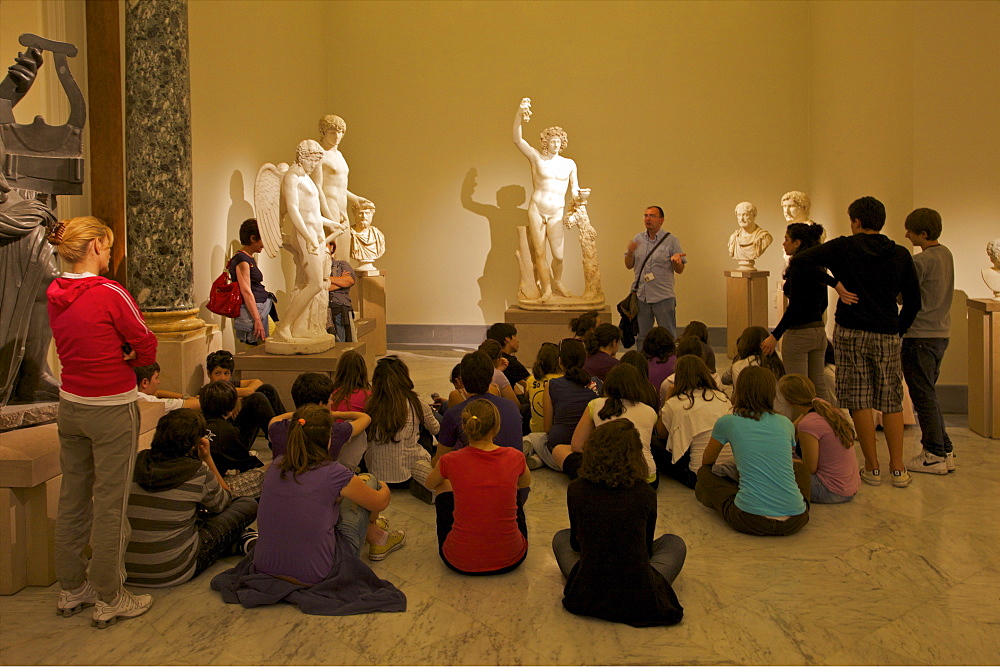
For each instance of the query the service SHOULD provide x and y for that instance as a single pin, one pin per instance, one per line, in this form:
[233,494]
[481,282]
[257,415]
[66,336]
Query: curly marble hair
[554,131]
[748,206]
[308,148]
[330,123]
[798,198]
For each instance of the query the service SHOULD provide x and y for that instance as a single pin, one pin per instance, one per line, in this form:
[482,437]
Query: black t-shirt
[228,449]
[612,528]
[515,371]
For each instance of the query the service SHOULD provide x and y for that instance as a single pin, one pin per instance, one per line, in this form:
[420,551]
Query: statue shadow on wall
[239,210]
[498,282]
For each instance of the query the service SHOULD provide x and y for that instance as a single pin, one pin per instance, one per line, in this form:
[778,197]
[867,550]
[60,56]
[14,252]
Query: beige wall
[694,106]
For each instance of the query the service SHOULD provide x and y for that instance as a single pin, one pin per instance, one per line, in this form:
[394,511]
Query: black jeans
[257,411]
[218,532]
[921,360]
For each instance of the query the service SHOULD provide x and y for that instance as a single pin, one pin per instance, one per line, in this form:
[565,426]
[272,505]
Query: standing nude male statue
[330,176]
[551,175]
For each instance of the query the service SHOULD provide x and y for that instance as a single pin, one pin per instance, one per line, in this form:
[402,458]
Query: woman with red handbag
[251,325]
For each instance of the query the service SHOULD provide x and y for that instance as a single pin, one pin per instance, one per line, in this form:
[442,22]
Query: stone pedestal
[746,303]
[536,327]
[282,370]
[181,356]
[368,300]
[984,366]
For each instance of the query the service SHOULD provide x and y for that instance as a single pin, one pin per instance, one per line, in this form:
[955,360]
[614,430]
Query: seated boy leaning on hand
[316,388]
[258,402]
[148,381]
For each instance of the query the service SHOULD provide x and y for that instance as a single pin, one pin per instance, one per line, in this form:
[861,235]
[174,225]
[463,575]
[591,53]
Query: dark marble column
[158,156]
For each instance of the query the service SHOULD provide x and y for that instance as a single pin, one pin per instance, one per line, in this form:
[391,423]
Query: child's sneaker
[72,602]
[126,605]
[247,541]
[382,522]
[901,478]
[534,462]
[927,462]
[873,477]
[393,543]
[950,462]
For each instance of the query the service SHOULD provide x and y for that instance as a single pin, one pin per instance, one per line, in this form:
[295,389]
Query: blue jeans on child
[818,493]
[353,523]
[921,359]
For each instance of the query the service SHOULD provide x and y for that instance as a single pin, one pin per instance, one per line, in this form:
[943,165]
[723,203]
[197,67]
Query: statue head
[993,250]
[795,205]
[331,123]
[364,211]
[746,216]
[549,138]
[308,154]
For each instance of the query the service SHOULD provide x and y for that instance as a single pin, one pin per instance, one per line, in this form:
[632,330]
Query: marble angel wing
[267,204]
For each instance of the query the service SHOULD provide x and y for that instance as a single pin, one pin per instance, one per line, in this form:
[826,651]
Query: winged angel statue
[288,193]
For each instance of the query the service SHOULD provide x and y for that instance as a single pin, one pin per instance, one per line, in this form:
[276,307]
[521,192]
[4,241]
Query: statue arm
[317,177]
[522,145]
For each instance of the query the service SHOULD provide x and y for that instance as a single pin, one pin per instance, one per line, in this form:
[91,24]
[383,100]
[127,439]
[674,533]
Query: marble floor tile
[895,577]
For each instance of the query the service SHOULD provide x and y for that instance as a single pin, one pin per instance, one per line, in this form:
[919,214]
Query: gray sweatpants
[97,446]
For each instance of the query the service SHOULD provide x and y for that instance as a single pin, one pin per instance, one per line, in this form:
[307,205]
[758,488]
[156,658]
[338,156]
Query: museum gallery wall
[693,106]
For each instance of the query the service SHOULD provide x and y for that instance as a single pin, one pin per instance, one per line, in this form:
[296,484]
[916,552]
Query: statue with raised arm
[367,241]
[749,241]
[330,175]
[286,193]
[552,175]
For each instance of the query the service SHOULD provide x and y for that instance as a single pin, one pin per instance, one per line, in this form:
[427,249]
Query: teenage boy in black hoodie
[871,271]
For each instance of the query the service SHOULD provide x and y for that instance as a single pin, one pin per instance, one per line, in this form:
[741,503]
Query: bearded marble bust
[991,276]
[367,241]
[749,241]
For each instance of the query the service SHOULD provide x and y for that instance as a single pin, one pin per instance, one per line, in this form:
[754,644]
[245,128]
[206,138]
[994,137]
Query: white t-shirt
[168,404]
[642,417]
[691,428]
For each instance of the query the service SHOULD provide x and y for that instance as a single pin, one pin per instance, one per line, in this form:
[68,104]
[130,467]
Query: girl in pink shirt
[826,441]
[350,383]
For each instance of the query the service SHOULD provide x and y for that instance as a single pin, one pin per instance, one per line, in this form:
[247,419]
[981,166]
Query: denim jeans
[818,493]
[665,312]
[353,523]
[218,532]
[921,359]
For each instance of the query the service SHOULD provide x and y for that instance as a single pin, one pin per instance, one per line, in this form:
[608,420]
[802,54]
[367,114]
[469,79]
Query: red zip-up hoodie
[91,318]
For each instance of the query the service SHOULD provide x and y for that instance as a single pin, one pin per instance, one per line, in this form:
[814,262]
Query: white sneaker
[927,462]
[72,602]
[126,605]
[950,461]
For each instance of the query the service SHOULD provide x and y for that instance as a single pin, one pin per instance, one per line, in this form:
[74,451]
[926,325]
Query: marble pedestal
[368,300]
[282,370]
[536,327]
[181,356]
[746,303]
[984,366]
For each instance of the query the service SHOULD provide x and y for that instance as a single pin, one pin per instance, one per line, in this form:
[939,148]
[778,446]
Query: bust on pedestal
[750,241]
[991,275]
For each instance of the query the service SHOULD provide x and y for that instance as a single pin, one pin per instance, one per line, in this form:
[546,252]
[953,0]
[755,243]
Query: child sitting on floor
[351,388]
[771,496]
[315,517]
[182,514]
[238,463]
[614,569]
[147,380]
[826,442]
[480,520]
[259,402]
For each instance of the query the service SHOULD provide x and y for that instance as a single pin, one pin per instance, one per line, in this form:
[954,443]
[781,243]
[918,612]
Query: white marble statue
[749,241]
[552,175]
[367,241]
[991,276]
[331,175]
[289,193]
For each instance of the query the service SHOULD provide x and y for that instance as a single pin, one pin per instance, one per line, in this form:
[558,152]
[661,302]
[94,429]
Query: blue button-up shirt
[662,285]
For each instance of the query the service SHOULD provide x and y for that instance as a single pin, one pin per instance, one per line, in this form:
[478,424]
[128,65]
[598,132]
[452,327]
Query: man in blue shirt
[655,287]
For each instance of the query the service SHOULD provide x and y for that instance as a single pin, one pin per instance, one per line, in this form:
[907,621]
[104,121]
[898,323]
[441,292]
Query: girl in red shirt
[480,520]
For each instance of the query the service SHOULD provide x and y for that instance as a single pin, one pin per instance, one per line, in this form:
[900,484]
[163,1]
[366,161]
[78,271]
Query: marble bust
[748,242]
[795,206]
[367,241]
[289,193]
[991,276]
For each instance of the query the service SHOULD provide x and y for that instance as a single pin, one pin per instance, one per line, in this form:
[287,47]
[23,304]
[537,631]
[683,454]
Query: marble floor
[897,576]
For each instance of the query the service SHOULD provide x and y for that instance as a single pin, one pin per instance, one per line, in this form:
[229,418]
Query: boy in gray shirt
[927,338]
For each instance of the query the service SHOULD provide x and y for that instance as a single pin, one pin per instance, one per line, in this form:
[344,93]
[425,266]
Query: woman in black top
[251,326]
[614,569]
[802,323]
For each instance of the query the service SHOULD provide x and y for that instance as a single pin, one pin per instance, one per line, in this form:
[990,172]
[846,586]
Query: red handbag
[225,297]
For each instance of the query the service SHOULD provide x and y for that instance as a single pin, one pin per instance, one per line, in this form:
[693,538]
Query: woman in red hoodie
[100,335]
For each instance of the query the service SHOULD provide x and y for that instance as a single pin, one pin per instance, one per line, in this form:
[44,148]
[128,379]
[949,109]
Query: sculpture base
[984,366]
[536,327]
[300,346]
[282,370]
[746,303]
[163,322]
[555,303]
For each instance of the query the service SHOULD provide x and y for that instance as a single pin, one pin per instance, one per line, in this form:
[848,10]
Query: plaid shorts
[869,371]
